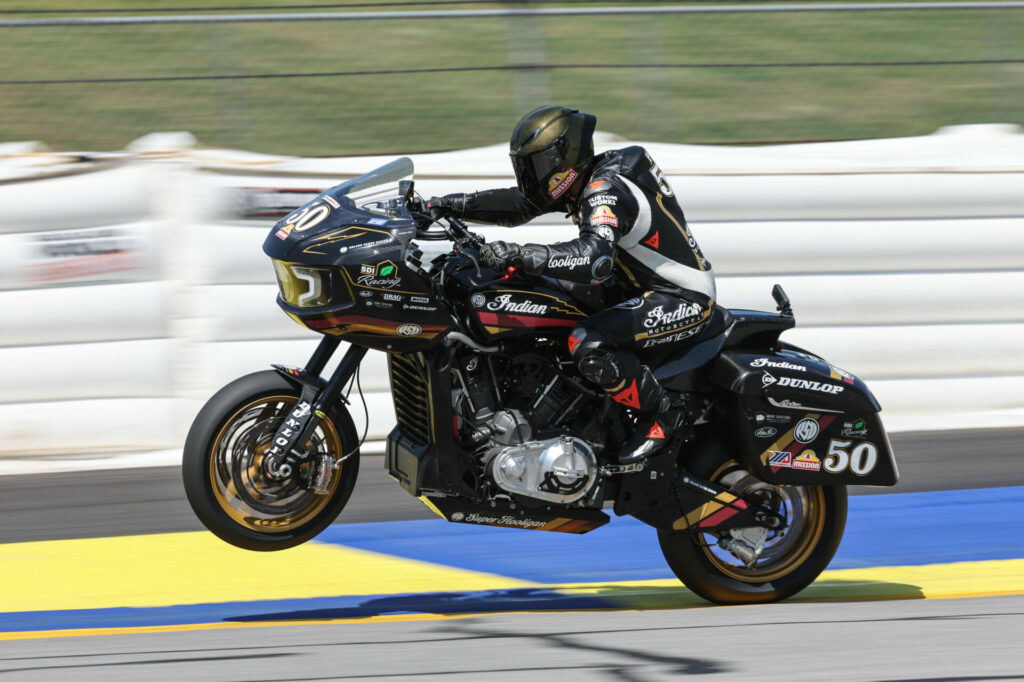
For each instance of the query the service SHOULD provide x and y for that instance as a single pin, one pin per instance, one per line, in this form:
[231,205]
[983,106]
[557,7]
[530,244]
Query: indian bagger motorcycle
[495,425]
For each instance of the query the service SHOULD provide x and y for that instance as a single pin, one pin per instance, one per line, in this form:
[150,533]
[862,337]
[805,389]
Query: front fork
[316,399]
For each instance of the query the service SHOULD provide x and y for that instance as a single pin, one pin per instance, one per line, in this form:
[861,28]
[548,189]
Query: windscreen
[378,191]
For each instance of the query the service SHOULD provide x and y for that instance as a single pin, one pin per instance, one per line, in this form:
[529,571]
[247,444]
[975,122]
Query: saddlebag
[795,419]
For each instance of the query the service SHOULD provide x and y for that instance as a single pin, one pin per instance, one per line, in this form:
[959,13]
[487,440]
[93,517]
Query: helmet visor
[532,170]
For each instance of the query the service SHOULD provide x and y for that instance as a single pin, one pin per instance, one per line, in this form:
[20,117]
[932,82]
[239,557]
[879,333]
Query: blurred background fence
[324,79]
[132,284]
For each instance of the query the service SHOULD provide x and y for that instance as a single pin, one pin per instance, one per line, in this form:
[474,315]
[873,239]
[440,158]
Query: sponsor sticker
[808,461]
[766,432]
[659,317]
[409,330]
[857,428]
[506,520]
[780,459]
[330,200]
[419,299]
[765,362]
[377,221]
[767,379]
[806,430]
[367,269]
[569,262]
[598,185]
[673,338]
[388,296]
[609,199]
[504,303]
[808,385]
[478,300]
[768,418]
[839,374]
[604,216]
[560,182]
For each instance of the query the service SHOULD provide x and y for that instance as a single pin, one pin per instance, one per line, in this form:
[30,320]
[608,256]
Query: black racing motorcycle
[496,426]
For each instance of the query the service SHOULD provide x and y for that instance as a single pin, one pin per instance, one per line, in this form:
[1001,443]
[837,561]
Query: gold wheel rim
[780,557]
[239,484]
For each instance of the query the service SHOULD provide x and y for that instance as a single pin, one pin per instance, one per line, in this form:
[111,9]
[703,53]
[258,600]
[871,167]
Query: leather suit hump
[630,223]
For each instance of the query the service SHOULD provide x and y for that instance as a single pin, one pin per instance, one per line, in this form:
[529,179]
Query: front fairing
[359,221]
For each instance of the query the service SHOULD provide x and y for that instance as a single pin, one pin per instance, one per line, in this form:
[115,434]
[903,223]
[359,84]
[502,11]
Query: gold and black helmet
[550,148]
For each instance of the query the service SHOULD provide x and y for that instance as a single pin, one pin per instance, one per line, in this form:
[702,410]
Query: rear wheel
[790,558]
[224,472]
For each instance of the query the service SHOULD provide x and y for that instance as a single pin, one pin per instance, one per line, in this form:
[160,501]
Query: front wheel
[224,475]
[790,558]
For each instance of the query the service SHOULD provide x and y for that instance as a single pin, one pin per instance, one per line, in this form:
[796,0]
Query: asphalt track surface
[885,621]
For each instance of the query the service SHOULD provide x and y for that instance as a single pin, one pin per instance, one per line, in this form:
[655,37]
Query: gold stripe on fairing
[686,235]
[555,523]
[722,499]
[695,516]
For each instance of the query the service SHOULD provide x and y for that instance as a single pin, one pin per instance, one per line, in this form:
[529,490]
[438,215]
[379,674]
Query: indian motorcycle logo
[658,317]
[504,303]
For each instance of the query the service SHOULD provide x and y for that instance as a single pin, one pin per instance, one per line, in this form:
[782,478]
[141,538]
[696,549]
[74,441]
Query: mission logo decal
[560,182]
[808,461]
[604,216]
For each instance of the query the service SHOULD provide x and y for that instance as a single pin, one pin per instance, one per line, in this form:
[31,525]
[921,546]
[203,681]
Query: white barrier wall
[134,287]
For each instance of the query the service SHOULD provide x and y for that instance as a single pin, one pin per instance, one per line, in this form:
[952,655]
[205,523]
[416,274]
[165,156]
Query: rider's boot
[661,415]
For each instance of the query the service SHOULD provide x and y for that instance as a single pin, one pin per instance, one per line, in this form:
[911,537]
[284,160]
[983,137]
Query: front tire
[790,561]
[224,478]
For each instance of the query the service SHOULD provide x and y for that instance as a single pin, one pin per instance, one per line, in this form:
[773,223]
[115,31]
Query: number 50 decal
[308,217]
[861,460]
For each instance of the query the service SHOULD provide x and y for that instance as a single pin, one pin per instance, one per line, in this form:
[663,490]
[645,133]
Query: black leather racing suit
[632,226]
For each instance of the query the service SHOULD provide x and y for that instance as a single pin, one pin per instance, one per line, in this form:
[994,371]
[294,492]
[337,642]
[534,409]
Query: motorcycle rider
[631,226]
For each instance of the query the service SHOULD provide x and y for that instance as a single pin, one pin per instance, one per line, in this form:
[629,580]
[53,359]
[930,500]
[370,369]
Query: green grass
[418,112]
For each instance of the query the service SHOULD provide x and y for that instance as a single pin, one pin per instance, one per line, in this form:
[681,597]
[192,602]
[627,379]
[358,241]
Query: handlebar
[455,230]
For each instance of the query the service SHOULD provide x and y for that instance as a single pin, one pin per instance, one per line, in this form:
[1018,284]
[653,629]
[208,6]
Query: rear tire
[223,475]
[816,519]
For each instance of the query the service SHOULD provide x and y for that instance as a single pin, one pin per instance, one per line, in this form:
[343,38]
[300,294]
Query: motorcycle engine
[514,426]
[561,469]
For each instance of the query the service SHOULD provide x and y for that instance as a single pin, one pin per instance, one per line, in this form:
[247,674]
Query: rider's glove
[448,205]
[500,255]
